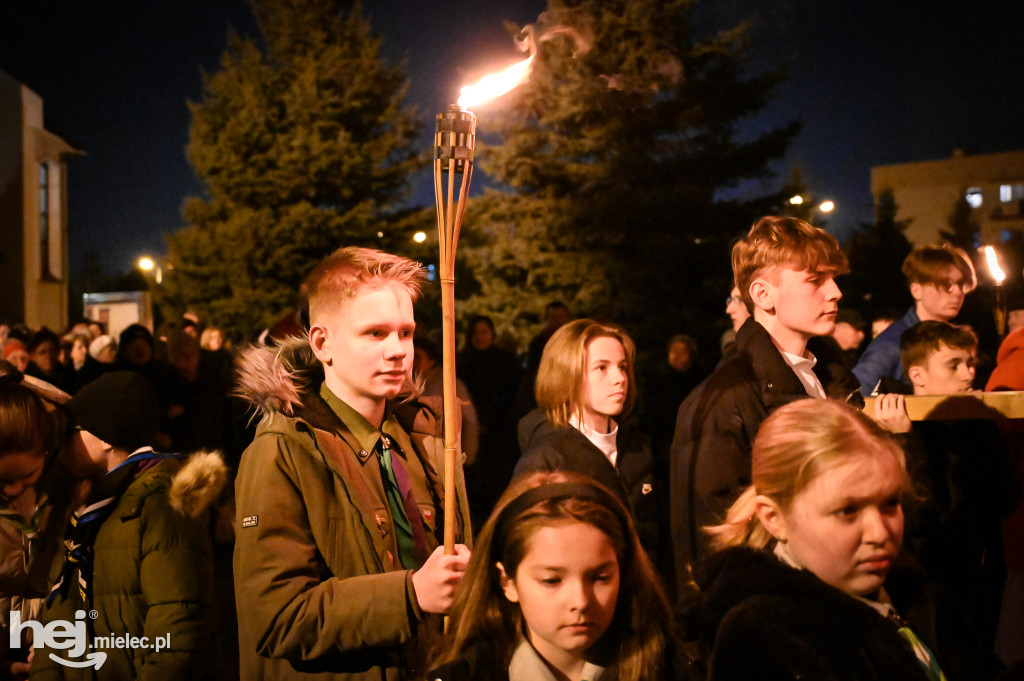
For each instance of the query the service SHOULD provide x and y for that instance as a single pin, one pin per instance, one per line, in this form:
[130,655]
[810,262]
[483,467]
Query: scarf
[84,526]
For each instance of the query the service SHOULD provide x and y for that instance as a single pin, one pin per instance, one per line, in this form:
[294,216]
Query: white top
[804,369]
[528,665]
[603,441]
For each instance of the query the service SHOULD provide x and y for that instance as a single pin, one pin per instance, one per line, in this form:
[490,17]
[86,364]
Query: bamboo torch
[998,276]
[454,141]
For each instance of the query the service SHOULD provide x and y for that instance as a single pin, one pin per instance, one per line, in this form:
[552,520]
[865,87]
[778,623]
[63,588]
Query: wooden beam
[978,405]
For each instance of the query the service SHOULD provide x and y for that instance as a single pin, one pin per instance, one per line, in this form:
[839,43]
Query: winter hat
[101,343]
[120,408]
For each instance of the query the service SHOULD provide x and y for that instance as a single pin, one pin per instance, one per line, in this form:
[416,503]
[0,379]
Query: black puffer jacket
[547,447]
[760,619]
[715,429]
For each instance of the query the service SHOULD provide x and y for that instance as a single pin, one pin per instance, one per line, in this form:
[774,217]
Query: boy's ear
[770,517]
[318,342]
[916,376]
[915,290]
[508,585]
[761,294]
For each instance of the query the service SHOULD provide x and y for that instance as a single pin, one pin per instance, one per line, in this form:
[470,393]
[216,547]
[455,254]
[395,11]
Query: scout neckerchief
[80,534]
[412,543]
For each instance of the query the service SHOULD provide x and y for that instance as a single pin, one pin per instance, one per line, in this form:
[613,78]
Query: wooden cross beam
[979,405]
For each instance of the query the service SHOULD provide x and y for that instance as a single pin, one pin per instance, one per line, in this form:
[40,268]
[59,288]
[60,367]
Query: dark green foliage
[876,283]
[304,147]
[963,226]
[613,161]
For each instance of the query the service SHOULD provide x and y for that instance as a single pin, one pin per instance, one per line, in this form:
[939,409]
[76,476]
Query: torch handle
[451,404]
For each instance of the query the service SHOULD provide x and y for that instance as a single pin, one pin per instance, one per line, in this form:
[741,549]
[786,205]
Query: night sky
[873,83]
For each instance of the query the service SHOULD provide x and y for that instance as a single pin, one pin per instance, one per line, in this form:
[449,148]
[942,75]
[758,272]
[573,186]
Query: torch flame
[992,259]
[495,84]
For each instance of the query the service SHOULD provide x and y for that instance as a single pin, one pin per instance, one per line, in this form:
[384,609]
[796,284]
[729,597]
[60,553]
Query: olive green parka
[320,592]
[152,577]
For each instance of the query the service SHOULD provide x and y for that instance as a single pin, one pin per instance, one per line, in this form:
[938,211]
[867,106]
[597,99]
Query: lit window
[44,217]
[973,196]
[1005,193]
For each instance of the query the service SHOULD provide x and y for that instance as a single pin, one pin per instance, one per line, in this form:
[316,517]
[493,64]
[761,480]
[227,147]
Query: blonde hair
[340,275]
[777,241]
[637,639]
[561,378]
[795,445]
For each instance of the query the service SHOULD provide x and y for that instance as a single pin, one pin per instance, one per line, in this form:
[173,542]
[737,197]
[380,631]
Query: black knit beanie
[120,408]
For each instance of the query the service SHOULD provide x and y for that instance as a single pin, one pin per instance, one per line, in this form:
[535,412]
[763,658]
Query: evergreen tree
[303,145]
[963,226]
[613,161]
[876,252]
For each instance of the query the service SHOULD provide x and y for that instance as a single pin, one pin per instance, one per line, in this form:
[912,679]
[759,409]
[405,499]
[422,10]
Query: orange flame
[992,259]
[495,84]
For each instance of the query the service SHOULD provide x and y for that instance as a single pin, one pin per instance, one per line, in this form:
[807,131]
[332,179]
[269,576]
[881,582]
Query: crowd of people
[752,521]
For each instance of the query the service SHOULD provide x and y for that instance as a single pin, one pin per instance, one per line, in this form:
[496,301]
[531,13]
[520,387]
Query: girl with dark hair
[558,588]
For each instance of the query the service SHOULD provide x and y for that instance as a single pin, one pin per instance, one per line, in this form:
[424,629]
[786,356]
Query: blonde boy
[339,497]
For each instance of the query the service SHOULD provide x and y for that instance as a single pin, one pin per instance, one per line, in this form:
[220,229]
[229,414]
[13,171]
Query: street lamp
[806,206]
[148,264]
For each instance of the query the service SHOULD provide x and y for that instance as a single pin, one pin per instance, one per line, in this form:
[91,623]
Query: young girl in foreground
[810,587]
[558,589]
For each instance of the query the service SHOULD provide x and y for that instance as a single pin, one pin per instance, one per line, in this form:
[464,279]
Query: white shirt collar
[803,367]
[528,665]
[603,441]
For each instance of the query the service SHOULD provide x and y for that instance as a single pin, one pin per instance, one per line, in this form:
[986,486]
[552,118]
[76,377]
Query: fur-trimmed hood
[274,378]
[198,484]
[279,378]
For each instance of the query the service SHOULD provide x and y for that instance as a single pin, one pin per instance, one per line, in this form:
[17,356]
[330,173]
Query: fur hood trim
[278,378]
[273,378]
[198,484]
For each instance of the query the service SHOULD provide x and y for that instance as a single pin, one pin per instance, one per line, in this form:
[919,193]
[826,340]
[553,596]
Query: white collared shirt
[603,441]
[528,665]
[804,369]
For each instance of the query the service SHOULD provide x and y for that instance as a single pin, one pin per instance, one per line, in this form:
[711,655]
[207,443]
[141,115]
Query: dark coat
[547,447]
[715,429]
[758,618]
[967,484]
